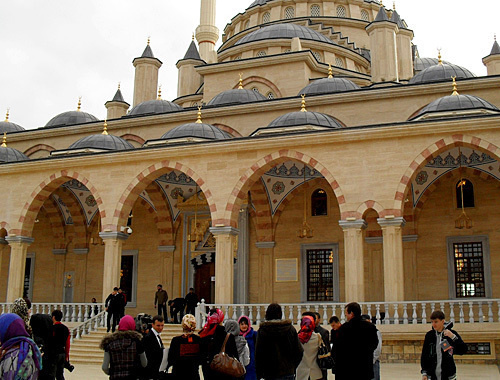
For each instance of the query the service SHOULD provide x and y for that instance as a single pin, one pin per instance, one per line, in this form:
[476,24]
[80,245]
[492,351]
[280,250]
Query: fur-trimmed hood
[126,336]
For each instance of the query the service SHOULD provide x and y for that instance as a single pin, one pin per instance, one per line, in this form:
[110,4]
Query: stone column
[112,260]
[241,274]
[18,249]
[80,283]
[225,238]
[354,259]
[392,232]
[167,264]
[266,265]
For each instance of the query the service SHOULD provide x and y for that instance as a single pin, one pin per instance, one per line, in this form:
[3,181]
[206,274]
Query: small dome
[71,118]
[11,155]
[258,2]
[197,130]
[328,86]
[294,119]
[284,31]
[101,141]
[236,96]
[454,103]
[441,72]
[7,126]
[152,107]
[420,64]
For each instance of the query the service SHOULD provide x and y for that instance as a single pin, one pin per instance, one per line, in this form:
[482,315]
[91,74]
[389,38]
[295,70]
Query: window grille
[261,53]
[319,275]
[255,89]
[266,17]
[289,12]
[317,56]
[270,95]
[339,62]
[341,11]
[364,15]
[315,10]
[247,24]
[469,269]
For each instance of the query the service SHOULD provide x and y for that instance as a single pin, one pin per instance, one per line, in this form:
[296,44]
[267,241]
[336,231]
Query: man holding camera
[440,344]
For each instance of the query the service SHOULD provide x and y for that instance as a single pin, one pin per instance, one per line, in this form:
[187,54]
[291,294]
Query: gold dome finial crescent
[440,61]
[198,120]
[192,37]
[7,115]
[330,71]
[303,107]
[4,141]
[159,93]
[79,103]
[105,128]
[149,40]
[119,83]
[381,3]
[455,92]
[240,86]
[394,5]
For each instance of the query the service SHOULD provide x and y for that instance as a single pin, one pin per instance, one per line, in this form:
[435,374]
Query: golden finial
[303,107]
[394,5]
[79,103]
[159,92]
[330,71]
[381,4]
[240,86]
[105,128]
[149,40]
[440,61]
[455,92]
[192,37]
[198,121]
[7,115]
[119,85]
[495,36]
[4,141]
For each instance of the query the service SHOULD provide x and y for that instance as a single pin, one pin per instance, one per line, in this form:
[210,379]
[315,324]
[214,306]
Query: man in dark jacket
[278,351]
[113,306]
[153,346]
[60,343]
[191,302]
[177,306]
[440,344]
[161,298]
[354,346]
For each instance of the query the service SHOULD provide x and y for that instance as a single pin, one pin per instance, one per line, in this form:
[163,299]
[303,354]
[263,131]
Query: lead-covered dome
[236,96]
[284,31]
[71,118]
[441,72]
[196,131]
[420,64]
[6,126]
[102,142]
[258,2]
[328,86]
[152,107]
[10,154]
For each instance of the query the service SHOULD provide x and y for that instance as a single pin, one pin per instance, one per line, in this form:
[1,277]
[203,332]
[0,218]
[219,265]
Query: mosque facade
[313,157]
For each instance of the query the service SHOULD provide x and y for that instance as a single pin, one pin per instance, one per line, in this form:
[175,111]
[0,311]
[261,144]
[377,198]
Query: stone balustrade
[72,312]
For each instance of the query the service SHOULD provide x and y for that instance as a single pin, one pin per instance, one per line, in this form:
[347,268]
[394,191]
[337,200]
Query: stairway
[86,350]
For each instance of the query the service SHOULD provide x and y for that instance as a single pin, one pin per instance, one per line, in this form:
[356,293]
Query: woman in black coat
[212,336]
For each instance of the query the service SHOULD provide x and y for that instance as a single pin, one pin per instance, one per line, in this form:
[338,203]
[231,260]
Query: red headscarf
[126,323]
[245,318]
[307,326]
[213,321]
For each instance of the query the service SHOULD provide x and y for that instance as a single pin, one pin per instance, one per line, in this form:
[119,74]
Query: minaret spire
[207,33]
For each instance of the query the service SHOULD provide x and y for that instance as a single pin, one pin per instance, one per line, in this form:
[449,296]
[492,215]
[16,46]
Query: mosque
[314,157]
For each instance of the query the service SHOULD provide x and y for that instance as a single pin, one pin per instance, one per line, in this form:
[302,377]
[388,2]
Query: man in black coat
[440,344]
[278,351]
[177,306]
[354,346]
[113,306]
[191,301]
[153,346]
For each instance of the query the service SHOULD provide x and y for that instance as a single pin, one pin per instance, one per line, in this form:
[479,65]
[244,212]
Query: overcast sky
[54,51]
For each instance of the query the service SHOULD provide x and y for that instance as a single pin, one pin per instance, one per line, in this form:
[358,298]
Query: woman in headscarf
[212,336]
[41,325]
[20,357]
[250,335]
[124,354]
[21,308]
[233,328]
[308,367]
[184,354]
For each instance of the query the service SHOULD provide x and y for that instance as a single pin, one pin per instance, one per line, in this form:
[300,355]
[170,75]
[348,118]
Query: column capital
[358,224]
[80,251]
[265,244]
[166,248]
[225,230]
[60,251]
[388,222]
[19,239]
[113,236]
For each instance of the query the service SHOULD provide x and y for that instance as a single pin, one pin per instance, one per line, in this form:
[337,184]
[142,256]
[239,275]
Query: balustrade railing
[407,312]
[91,324]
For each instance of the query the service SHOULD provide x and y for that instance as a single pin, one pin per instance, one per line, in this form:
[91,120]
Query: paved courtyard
[388,372]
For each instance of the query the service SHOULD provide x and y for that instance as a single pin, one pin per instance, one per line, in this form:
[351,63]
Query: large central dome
[284,31]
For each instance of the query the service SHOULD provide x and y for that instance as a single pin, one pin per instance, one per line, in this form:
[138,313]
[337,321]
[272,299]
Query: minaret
[404,37]
[118,106]
[492,61]
[383,47]
[207,33]
[189,81]
[146,76]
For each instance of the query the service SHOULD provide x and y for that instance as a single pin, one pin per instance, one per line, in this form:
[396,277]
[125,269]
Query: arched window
[364,15]
[341,11]
[315,10]
[237,58]
[266,17]
[317,55]
[289,12]
[270,95]
[319,203]
[261,53]
[339,62]
[247,24]
[468,190]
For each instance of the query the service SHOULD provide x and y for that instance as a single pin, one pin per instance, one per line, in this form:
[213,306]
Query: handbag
[225,364]
[324,358]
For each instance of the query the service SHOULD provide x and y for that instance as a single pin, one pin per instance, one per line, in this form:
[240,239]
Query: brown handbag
[227,365]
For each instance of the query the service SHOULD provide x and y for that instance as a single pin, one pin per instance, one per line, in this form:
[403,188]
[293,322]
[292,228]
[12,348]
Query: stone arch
[131,137]
[163,216]
[226,128]
[431,151]
[42,191]
[30,151]
[142,181]
[262,213]
[264,81]
[79,221]
[370,204]
[246,181]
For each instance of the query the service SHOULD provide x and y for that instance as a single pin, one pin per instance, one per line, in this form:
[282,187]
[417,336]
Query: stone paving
[388,372]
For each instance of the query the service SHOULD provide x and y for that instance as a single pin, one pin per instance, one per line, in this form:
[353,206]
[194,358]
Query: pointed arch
[164,218]
[56,223]
[370,204]
[262,213]
[79,221]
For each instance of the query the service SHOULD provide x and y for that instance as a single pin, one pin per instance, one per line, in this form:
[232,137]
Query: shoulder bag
[225,364]
[324,359]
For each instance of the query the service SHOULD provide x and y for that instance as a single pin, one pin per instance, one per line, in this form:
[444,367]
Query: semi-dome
[441,72]
[236,96]
[10,154]
[329,85]
[102,142]
[284,31]
[156,106]
[196,131]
